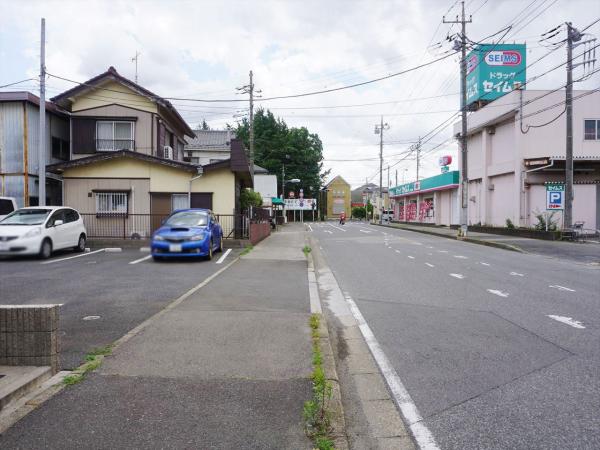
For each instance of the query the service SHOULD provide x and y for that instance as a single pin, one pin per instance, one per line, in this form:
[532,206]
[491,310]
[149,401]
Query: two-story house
[127,160]
[19,147]
[209,146]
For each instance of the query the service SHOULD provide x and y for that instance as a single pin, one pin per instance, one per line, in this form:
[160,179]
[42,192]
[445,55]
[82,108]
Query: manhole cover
[91,317]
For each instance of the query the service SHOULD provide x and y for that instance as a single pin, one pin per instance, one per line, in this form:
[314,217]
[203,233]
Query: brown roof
[106,156]
[112,74]
[23,96]
[238,162]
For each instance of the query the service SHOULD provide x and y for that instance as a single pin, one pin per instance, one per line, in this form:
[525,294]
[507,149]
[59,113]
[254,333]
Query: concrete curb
[495,244]
[338,421]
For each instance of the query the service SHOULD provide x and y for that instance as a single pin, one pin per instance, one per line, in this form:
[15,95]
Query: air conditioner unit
[491,187]
[168,152]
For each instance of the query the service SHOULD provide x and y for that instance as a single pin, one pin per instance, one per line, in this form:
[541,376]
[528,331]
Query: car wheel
[220,249]
[80,244]
[210,251]
[46,249]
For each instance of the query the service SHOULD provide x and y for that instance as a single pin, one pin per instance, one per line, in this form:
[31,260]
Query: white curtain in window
[123,135]
[104,135]
[179,201]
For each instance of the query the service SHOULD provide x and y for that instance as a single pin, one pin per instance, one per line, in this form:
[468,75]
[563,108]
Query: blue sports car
[188,233]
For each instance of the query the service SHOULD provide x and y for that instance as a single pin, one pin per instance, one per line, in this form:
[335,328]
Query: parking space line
[222,258]
[568,321]
[72,257]
[141,259]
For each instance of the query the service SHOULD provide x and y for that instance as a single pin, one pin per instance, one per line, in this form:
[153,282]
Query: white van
[387,215]
[7,205]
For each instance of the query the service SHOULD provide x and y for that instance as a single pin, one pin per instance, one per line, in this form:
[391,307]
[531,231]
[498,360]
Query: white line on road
[561,288]
[411,257]
[498,293]
[222,258]
[310,228]
[517,274]
[398,251]
[429,246]
[72,257]
[141,259]
[337,228]
[443,251]
[568,321]
[460,276]
[461,257]
[407,406]
[364,231]
[429,265]
[328,231]
[484,264]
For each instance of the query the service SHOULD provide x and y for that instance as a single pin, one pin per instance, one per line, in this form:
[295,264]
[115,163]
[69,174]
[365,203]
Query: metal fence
[141,226]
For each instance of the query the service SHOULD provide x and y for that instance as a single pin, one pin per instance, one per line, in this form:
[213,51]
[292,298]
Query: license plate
[175,247]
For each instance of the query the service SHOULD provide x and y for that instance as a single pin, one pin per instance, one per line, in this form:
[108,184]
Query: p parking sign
[555,196]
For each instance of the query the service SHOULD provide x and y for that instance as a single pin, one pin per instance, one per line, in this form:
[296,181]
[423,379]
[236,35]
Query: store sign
[445,169]
[493,70]
[555,196]
[300,204]
[445,160]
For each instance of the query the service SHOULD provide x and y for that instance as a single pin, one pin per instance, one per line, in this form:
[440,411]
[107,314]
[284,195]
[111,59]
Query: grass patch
[316,411]
[93,360]
[306,250]
[247,249]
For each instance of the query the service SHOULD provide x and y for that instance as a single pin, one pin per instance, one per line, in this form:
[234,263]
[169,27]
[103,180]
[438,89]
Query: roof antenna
[135,59]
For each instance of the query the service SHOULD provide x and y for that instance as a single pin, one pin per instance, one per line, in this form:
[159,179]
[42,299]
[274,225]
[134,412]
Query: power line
[18,82]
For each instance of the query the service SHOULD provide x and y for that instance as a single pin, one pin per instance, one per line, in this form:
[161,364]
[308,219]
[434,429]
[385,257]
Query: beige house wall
[113,92]
[338,185]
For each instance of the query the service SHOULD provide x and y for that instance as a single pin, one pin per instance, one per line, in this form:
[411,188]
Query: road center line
[498,293]
[561,288]
[567,320]
[141,259]
[222,258]
[72,257]
[403,400]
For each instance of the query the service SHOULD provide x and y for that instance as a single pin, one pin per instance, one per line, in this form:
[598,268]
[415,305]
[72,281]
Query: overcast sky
[204,50]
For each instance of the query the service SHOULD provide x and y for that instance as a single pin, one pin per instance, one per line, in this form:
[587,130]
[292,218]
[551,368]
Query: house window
[195,160]
[112,136]
[60,148]
[111,202]
[591,130]
[179,201]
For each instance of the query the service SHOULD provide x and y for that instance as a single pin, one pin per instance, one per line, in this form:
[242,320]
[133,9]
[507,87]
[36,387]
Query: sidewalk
[583,252]
[228,367]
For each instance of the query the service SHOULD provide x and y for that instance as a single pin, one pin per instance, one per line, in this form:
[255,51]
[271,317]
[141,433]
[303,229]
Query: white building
[265,184]
[510,159]
[209,146]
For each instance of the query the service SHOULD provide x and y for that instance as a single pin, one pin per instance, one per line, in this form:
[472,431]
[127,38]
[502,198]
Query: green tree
[277,144]
[359,212]
[249,198]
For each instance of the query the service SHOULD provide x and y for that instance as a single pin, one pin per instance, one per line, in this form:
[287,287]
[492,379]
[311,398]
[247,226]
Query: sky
[204,50]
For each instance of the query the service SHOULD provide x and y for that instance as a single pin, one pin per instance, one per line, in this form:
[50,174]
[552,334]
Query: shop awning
[276,201]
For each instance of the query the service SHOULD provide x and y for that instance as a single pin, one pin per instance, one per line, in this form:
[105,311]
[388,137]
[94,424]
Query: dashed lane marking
[429,265]
[222,258]
[364,231]
[141,259]
[561,288]
[460,276]
[410,257]
[484,264]
[461,257]
[398,251]
[517,274]
[498,293]
[443,251]
[568,321]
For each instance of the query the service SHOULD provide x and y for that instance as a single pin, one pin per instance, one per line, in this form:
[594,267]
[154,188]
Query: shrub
[359,212]
[509,224]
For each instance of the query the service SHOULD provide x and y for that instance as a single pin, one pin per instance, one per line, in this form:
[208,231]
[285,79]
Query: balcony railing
[113,145]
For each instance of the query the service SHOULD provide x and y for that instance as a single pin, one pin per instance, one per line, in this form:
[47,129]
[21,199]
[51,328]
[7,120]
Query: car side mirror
[58,222]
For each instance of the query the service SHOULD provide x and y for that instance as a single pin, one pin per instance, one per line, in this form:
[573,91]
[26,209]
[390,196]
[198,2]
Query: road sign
[445,169]
[555,196]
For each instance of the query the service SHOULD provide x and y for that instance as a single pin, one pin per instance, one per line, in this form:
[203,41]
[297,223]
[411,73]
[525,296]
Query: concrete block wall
[29,335]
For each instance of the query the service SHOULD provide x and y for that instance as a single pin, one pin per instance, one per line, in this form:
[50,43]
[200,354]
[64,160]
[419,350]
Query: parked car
[7,205]
[387,215]
[188,233]
[39,230]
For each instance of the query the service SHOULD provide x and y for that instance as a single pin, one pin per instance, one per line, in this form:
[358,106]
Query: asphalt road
[103,295]
[497,349]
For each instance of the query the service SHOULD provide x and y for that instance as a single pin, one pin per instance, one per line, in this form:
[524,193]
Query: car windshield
[26,217]
[188,219]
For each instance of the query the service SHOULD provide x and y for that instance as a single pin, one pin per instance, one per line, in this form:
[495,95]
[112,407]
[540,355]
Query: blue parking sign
[555,196]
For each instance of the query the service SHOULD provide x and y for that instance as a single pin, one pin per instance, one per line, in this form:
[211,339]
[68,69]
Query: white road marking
[421,433]
[417,243]
[337,228]
[91,318]
[498,293]
[517,274]
[484,264]
[411,257]
[429,265]
[222,258]
[141,259]
[568,321]
[72,257]
[310,228]
[113,250]
[364,231]
[461,257]
[429,254]
[429,246]
[398,251]
[443,251]
[460,276]
[328,231]
[561,288]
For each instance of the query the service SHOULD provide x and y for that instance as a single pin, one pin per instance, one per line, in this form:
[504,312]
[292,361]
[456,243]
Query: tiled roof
[210,140]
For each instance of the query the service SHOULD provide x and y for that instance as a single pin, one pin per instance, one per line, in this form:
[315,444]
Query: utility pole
[135,59]
[464,182]
[379,130]
[249,89]
[418,157]
[396,178]
[283,182]
[388,170]
[42,133]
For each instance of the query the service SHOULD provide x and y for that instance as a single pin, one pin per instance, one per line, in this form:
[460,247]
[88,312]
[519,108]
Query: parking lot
[104,293]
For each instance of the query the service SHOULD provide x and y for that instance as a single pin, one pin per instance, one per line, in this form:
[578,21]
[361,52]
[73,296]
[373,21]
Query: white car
[39,230]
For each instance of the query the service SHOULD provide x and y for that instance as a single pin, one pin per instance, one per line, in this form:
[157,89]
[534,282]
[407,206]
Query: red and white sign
[445,160]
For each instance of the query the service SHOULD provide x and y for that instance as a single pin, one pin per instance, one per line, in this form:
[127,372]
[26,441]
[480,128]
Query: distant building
[208,146]
[265,184]
[19,141]
[338,197]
